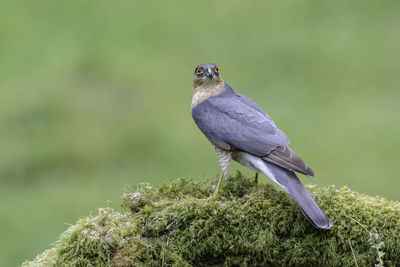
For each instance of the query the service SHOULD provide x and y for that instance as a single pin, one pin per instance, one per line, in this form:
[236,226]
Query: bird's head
[207,75]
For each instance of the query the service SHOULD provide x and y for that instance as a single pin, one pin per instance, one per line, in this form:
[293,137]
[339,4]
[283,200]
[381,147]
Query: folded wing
[231,123]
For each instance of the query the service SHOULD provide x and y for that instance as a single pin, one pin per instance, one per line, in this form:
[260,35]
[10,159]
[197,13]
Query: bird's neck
[203,91]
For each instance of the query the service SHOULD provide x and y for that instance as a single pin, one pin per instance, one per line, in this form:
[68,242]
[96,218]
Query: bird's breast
[199,97]
[203,92]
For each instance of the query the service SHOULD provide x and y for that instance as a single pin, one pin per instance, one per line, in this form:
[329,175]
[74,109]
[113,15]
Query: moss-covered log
[177,224]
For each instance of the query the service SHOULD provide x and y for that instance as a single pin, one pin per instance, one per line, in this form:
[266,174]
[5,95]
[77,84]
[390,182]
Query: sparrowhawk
[240,130]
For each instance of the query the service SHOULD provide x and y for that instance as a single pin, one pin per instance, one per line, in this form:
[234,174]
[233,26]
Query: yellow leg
[218,185]
[256,178]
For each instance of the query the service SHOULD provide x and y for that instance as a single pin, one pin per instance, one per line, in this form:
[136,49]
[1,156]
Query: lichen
[178,224]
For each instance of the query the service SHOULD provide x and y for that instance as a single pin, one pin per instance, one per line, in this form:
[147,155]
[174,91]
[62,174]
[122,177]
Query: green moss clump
[177,224]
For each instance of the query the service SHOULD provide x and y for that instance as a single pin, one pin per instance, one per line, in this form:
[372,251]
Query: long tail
[292,185]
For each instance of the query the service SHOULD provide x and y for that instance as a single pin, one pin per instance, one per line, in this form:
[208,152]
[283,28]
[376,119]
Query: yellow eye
[199,71]
[216,70]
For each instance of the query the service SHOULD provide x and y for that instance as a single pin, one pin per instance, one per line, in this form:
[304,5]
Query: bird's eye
[199,71]
[216,70]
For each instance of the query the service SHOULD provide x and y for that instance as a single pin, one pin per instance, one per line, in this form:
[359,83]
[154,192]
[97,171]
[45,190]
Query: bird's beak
[209,73]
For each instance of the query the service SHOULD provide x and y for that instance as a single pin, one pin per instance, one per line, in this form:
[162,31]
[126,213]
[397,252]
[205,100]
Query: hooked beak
[209,73]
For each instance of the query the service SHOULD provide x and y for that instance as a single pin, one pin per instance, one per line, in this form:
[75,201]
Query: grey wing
[284,157]
[232,124]
[252,104]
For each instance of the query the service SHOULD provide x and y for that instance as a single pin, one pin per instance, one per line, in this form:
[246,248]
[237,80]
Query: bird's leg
[256,178]
[224,158]
[218,185]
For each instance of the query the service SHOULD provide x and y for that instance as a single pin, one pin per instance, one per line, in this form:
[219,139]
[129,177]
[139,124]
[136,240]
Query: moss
[177,224]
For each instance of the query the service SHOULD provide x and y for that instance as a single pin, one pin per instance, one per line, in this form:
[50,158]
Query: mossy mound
[177,224]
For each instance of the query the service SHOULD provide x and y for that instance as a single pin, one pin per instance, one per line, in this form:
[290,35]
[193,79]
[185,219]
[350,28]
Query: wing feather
[285,157]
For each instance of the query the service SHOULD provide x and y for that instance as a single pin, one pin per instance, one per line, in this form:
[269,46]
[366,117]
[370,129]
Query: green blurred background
[95,95]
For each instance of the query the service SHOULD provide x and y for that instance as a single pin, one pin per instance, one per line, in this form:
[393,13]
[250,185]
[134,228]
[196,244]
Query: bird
[240,130]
